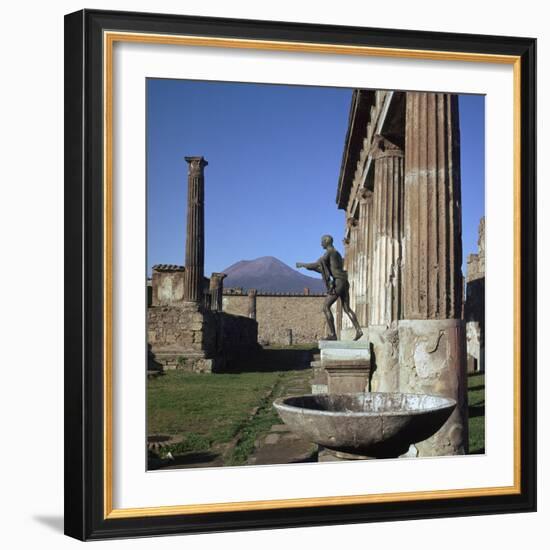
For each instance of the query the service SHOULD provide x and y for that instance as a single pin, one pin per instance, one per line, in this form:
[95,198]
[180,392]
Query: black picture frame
[84,276]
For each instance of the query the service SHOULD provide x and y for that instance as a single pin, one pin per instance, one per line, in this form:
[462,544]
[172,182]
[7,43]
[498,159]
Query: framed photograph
[300,274]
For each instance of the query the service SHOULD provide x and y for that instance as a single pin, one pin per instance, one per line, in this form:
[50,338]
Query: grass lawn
[476,412]
[204,408]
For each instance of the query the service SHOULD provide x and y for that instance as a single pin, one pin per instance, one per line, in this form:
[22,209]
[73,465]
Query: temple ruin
[399,186]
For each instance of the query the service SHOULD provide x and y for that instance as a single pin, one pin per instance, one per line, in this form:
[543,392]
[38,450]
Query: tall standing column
[368,198]
[365,206]
[387,229]
[194,246]
[431,334]
[433,279]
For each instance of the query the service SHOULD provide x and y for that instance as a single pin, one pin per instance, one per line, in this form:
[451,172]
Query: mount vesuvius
[269,274]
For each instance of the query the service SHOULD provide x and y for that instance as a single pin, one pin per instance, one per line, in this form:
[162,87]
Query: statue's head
[326,241]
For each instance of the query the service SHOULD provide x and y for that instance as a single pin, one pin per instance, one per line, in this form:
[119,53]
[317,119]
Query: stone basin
[378,425]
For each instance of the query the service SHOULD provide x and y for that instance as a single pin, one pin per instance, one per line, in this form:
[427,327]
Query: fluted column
[432,355]
[365,207]
[433,278]
[352,269]
[194,246]
[368,197]
[388,231]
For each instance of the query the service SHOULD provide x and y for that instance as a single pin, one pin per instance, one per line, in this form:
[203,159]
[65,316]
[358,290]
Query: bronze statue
[331,267]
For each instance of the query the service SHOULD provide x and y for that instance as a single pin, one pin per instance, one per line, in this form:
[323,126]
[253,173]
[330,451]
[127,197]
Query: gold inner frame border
[109,39]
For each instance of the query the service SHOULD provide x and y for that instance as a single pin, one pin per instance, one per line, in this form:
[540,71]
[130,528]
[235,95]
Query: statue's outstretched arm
[314,266]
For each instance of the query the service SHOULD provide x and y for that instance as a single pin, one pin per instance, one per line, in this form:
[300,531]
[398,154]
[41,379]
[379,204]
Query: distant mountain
[269,274]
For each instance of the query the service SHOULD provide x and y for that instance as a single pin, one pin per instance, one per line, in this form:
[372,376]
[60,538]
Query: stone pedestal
[344,350]
[432,361]
[342,367]
[347,376]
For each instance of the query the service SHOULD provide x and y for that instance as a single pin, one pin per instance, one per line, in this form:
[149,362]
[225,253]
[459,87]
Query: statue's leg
[329,300]
[344,296]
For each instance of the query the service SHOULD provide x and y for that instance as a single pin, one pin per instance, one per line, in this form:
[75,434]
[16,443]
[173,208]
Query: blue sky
[274,155]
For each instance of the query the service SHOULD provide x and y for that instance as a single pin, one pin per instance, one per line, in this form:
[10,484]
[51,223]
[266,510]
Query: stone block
[339,350]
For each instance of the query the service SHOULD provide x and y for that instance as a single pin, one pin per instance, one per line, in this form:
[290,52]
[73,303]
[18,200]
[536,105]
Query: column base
[432,360]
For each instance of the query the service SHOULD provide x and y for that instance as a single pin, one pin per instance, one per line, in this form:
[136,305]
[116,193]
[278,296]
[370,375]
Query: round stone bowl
[378,425]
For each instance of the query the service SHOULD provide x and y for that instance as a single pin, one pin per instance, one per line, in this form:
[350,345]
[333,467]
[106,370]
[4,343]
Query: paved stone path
[280,445]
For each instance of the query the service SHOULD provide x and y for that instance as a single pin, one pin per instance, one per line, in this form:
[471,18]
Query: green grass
[476,411]
[204,408]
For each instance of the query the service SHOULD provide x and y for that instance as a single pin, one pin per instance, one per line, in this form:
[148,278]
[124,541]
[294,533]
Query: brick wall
[278,313]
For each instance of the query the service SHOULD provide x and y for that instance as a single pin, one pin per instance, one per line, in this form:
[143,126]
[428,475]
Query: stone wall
[200,341]
[282,318]
[474,306]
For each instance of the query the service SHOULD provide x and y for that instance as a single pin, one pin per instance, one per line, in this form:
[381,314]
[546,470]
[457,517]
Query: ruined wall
[167,285]
[236,304]
[474,306]
[279,314]
[236,335]
[198,341]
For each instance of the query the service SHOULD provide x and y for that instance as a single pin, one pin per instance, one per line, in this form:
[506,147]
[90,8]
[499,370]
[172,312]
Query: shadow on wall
[272,360]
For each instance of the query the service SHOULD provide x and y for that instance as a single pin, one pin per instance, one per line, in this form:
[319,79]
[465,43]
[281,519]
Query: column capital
[196,165]
[383,147]
[216,279]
